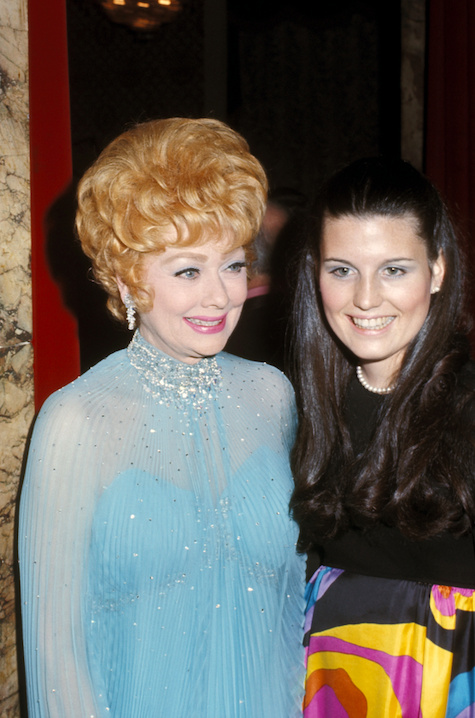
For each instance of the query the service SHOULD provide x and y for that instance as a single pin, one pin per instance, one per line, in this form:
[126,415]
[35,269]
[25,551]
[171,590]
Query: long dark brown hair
[418,471]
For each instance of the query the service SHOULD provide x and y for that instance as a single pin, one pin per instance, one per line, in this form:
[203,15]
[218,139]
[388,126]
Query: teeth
[377,323]
[203,323]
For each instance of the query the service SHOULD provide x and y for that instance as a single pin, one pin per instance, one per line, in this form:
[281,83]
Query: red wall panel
[56,349]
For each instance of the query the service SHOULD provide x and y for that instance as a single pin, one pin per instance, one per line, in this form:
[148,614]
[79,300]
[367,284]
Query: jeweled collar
[173,382]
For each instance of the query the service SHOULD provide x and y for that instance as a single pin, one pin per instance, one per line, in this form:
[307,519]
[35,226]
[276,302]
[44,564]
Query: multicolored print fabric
[383,647]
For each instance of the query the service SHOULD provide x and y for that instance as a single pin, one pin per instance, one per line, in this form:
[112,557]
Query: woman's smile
[373,324]
[207,325]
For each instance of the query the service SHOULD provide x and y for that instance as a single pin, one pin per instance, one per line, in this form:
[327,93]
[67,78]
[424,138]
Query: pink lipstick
[206,325]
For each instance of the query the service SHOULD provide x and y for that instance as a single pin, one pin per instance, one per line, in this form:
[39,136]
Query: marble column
[413,31]
[16,375]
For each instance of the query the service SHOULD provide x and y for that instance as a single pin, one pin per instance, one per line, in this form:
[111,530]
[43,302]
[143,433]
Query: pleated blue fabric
[159,575]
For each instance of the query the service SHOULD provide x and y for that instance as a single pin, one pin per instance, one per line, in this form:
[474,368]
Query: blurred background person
[261,330]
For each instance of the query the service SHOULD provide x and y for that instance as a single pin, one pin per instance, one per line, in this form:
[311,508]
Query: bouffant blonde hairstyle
[196,176]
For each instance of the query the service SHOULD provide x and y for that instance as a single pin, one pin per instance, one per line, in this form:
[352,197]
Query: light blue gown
[158,568]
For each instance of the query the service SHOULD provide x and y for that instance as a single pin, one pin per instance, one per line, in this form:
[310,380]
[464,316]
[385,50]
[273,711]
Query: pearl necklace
[374,389]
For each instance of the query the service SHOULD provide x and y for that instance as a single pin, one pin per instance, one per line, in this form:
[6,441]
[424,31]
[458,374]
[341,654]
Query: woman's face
[198,296]
[375,283]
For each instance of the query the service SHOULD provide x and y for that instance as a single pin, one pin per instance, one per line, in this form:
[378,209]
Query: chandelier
[146,15]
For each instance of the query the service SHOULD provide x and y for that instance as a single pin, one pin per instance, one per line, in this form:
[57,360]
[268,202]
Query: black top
[384,551]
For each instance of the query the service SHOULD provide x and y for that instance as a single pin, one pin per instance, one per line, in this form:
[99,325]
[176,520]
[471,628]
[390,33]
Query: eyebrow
[386,261]
[186,255]
[195,256]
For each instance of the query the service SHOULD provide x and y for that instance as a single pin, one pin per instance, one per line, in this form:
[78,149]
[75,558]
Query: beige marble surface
[16,378]
[413,30]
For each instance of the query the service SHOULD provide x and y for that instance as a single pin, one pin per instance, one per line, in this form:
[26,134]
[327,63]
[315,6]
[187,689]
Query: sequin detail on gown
[172,382]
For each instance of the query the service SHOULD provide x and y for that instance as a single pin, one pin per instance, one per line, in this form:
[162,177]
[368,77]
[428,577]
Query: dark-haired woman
[385,459]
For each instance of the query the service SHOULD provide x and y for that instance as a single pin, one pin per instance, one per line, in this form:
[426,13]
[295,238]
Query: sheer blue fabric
[159,575]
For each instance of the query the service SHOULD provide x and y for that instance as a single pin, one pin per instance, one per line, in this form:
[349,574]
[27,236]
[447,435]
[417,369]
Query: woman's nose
[216,294]
[367,294]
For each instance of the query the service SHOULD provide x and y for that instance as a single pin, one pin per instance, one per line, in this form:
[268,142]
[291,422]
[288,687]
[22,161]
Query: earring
[435,290]
[130,307]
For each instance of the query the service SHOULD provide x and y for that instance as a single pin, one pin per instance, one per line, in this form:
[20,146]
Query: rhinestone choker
[173,382]
[374,389]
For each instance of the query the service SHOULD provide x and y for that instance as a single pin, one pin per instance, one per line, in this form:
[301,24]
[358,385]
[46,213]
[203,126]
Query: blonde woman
[159,574]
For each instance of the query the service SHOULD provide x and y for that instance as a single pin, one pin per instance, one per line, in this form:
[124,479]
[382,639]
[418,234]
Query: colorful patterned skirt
[381,648]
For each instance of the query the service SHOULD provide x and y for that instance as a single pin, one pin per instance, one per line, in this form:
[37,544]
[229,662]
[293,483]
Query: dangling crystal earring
[130,307]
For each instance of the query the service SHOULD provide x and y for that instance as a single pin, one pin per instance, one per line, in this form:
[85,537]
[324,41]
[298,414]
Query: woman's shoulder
[260,387]
[463,399]
[248,365]
[86,385]
[460,402]
[466,377]
[252,371]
